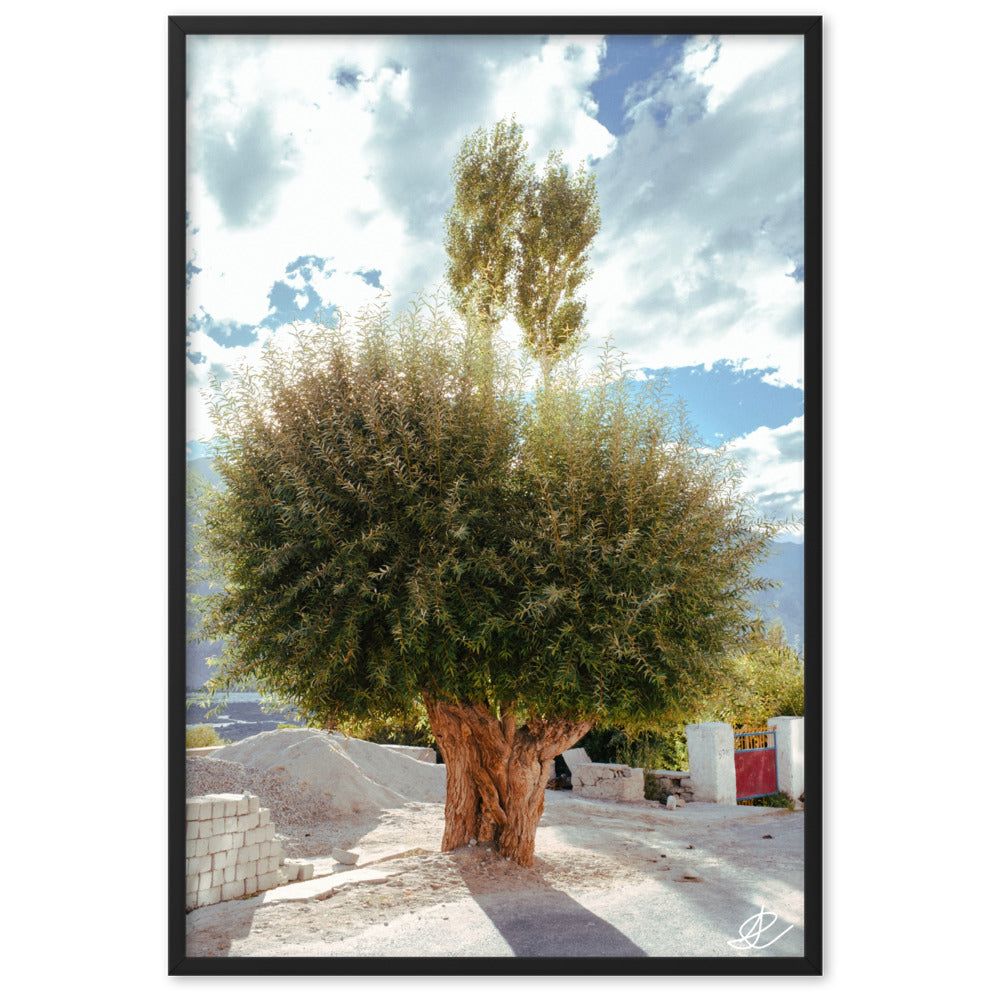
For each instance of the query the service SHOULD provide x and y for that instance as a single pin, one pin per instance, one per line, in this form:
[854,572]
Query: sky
[319,177]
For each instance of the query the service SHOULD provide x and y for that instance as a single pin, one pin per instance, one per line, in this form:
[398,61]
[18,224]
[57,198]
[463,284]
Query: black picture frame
[179,29]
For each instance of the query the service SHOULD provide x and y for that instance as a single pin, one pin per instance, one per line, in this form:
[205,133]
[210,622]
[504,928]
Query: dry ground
[608,879]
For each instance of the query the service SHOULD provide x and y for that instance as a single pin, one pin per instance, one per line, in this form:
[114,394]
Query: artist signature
[753,927]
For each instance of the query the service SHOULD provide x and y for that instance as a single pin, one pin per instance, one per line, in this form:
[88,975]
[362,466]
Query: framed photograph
[495,495]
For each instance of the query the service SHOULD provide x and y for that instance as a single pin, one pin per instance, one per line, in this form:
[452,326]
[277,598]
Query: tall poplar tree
[520,242]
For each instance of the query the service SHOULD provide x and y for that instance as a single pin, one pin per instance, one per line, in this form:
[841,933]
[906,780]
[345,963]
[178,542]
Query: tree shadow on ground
[555,925]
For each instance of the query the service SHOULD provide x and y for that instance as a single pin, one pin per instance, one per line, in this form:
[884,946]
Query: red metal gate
[756,758]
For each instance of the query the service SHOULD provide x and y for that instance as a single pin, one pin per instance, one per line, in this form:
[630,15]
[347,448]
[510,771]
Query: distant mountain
[197,670]
[786,602]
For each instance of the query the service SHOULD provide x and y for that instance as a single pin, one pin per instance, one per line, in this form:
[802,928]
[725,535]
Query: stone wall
[231,851]
[676,783]
[614,782]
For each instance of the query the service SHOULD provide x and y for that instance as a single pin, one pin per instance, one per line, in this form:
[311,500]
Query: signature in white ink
[753,927]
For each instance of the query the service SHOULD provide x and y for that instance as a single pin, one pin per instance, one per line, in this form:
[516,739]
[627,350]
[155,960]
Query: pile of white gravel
[308,776]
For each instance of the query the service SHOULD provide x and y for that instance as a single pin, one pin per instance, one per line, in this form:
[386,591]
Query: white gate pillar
[789,738]
[711,762]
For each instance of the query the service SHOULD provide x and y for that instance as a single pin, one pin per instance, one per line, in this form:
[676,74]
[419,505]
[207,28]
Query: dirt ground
[608,879]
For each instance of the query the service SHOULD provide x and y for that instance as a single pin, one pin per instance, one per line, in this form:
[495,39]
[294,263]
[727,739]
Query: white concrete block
[195,866]
[250,886]
[265,817]
[232,890]
[223,842]
[206,897]
[268,880]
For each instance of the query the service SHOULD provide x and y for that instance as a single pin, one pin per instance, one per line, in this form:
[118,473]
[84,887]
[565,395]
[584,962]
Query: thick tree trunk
[496,774]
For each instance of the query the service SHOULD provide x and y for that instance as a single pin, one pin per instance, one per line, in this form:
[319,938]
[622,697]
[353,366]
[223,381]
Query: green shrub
[202,736]
[662,750]
[766,681]
[779,801]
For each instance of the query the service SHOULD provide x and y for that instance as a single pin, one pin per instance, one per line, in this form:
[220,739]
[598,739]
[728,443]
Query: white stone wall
[614,782]
[231,851]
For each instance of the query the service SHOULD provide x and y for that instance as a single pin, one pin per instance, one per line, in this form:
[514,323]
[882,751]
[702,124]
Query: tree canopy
[395,520]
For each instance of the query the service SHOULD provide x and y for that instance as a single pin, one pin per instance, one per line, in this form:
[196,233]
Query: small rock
[344,857]
[472,843]
[767,836]
[671,802]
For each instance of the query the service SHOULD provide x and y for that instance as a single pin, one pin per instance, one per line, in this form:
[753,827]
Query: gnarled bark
[496,773]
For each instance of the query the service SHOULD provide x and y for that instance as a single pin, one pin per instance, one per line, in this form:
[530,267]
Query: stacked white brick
[231,851]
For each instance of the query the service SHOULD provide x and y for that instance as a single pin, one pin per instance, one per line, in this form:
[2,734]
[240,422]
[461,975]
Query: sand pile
[352,776]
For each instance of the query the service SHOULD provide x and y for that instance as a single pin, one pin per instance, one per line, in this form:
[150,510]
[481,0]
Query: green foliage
[765,680]
[202,736]
[779,801]
[395,520]
[653,750]
[403,728]
[517,240]
[492,177]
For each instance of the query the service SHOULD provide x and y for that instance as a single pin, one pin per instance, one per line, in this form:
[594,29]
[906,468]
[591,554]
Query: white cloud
[702,209]
[774,467]
[548,91]
[354,139]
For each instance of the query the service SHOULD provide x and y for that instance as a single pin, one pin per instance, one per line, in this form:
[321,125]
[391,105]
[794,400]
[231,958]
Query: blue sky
[319,176]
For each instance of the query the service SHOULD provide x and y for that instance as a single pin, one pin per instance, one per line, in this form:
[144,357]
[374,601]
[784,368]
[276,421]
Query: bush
[779,801]
[660,750]
[765,681]
[202,736]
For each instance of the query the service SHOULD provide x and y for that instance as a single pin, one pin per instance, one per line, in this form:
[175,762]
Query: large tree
[519,241]
[396,525]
